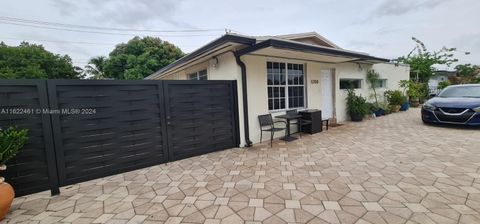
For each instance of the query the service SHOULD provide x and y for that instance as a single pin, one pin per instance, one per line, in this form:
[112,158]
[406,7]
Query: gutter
[245,99]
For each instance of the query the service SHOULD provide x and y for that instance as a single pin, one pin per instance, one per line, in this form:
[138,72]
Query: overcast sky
[379,27]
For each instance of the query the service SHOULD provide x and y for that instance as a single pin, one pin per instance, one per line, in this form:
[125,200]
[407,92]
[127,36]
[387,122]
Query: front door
[327,93]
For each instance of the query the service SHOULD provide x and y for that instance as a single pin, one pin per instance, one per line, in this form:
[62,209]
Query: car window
[461,91]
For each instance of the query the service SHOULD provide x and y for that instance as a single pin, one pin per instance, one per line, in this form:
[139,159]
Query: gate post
[49,140]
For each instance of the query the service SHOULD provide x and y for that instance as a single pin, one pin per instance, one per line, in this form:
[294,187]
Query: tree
[466,73]
[32,61]
[140,57]
[96,68]
[421,60]
[372,78]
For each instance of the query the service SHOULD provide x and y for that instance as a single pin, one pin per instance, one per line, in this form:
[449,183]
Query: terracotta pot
[6,199]
[414,102]
[395,108]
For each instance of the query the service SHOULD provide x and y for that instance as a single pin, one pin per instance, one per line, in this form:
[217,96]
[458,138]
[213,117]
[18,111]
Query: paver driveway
[392,169]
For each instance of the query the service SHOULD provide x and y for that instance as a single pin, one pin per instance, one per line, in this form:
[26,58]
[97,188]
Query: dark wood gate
[119,127]
[88,129]
[201,117]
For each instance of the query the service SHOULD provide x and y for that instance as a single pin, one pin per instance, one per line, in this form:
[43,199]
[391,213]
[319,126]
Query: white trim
[294,36]
[284,110]
[197,73]
[287,106]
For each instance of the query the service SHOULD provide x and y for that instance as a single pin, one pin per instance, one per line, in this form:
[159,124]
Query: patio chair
[300,122]
[267,121]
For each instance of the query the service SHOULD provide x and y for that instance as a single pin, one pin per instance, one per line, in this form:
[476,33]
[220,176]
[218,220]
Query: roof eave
[275,43]
[232,38]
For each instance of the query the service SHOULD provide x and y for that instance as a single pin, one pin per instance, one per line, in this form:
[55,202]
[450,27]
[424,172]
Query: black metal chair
[300,122]
[266,120]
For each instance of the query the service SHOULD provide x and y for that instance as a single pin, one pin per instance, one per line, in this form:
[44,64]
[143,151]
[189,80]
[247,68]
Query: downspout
[245,99]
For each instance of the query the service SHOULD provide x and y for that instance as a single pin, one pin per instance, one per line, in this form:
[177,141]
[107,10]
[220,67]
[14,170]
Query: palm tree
[95,67]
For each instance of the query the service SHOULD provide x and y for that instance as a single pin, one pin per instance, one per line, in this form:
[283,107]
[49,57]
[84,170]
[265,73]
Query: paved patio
[392,169]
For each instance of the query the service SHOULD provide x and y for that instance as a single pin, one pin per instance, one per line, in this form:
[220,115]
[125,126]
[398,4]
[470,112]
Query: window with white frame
[285,85]
[350,83]
[200,75]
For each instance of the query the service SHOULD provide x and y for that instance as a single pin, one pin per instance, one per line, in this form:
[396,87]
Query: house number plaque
[314,81]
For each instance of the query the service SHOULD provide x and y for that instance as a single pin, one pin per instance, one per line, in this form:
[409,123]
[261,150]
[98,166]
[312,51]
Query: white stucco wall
[389,71]
[258,95]
[227,69]
[349,71]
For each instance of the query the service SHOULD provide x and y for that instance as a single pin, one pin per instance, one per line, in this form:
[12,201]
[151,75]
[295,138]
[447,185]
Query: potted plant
[356,106]
[12,141]
[379,111]
[405,105]
[413,90]
[382,109]
[395,99]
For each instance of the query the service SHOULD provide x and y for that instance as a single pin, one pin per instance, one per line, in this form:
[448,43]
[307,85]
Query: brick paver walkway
[392,169]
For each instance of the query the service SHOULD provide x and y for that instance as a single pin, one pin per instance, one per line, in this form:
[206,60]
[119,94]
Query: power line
[71,42]
[58,41]
[79,42]
[99,32]
[12,19]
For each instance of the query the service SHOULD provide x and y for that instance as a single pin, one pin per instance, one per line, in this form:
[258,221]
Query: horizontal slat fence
[33,169]
[119,127]
[201,117]
[89,129]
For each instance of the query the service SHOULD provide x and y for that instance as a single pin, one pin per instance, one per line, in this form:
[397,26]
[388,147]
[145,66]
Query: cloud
[65,7]
[126,13]
[382,27]
[398,8]
[467,43]
[364,44]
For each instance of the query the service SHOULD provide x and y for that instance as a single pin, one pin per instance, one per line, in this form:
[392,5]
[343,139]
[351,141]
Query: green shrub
[414,90]
[356,104]
[11,142]
[395,97]
[443,84]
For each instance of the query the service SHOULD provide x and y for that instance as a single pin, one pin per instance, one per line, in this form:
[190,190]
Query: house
[438,77]
[277,73]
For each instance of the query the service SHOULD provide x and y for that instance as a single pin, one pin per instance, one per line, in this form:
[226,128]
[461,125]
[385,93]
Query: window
[381,83]
[350,83]
[285,85]
[200,75]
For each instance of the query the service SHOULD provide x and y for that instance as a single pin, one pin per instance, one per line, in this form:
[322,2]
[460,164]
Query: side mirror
[433,95]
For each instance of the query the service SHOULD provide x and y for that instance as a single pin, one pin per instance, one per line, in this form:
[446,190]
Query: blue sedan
[457,104]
